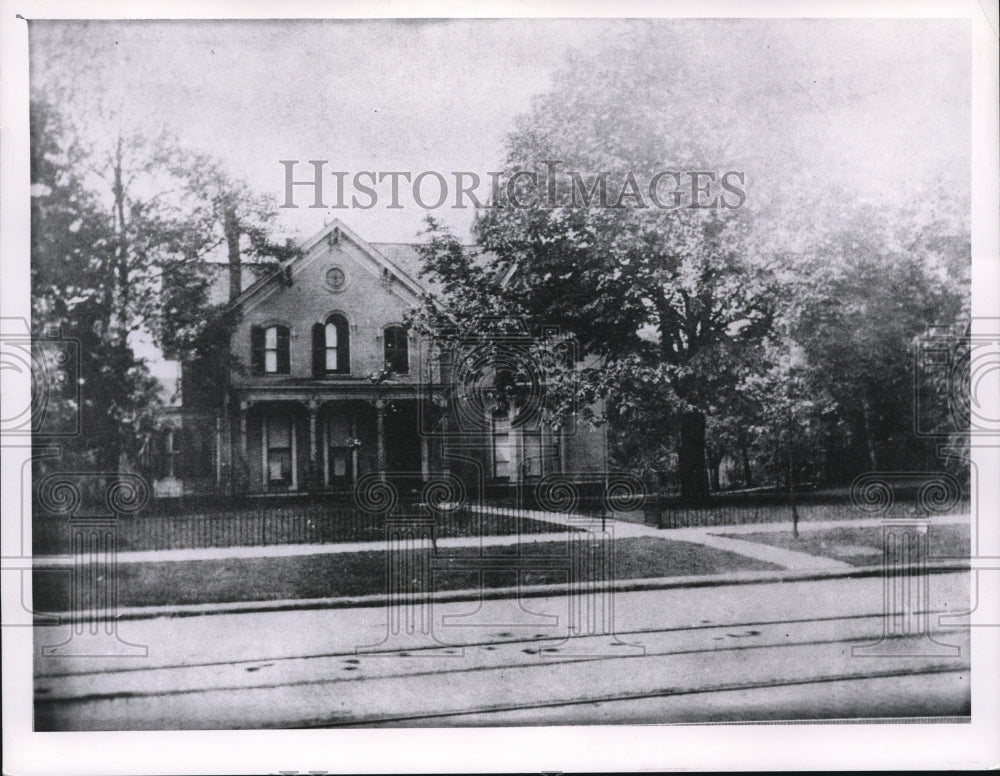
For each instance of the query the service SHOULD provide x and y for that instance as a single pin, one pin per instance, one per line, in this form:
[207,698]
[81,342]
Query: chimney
[233,244]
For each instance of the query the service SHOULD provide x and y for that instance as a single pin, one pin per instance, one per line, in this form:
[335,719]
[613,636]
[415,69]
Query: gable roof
[218,283]
[402,260]
[406,256]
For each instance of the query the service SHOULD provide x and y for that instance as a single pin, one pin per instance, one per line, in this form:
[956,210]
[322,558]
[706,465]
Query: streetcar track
[626,696]
[414,651]
[549,661]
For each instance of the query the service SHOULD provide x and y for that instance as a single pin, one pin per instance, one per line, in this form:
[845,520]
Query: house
[324,384]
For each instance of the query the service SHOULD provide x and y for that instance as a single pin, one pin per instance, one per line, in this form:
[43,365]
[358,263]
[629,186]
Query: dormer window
[331,347]
[397,349]
[269,350]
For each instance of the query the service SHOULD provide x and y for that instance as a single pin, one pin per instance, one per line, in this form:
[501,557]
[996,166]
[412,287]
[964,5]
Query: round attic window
[335,279]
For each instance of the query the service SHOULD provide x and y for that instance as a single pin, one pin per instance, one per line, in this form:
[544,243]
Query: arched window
[269,350]
[332,346]
[397,349]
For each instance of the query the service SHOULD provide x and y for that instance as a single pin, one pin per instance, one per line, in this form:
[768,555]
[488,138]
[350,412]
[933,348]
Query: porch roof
[312,390]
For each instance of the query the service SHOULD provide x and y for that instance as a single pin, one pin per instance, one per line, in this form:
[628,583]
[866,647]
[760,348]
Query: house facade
[326,386]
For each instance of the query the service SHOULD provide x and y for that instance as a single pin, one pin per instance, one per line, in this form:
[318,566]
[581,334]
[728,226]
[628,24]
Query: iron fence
[260,524]
[270,524]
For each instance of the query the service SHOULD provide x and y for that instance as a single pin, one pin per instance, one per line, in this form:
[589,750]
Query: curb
[528,591]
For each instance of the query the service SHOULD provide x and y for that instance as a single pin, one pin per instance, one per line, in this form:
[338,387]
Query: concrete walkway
[709,536]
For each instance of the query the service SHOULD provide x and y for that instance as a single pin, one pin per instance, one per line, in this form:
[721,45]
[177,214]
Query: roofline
[411,284]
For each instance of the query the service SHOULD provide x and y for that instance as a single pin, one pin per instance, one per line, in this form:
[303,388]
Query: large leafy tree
[866,291]
[670,299]
[73,270]
[123,229]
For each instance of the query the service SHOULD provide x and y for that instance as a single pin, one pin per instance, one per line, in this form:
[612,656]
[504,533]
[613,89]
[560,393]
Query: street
[778,650]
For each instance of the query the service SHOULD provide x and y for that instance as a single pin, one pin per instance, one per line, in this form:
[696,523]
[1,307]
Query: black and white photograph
[624,377]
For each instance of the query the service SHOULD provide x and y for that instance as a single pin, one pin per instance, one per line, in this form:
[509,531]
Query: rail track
[744,669]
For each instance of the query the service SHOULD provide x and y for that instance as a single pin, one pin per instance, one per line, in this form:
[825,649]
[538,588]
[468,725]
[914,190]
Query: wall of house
[368,300]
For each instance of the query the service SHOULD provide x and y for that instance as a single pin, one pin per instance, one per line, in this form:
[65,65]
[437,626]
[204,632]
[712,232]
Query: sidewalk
[761,562]
[708,536]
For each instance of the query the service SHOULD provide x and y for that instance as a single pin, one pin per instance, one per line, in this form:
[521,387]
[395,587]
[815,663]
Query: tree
[233,219]
[865,291]
[123,231]
[668,298]
[73,255]
[687,306]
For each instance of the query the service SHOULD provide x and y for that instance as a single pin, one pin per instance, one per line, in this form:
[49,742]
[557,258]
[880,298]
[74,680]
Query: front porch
[325,444]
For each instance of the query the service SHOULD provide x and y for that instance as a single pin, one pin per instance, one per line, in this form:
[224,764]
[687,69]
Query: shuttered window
[331,347]
[269,350]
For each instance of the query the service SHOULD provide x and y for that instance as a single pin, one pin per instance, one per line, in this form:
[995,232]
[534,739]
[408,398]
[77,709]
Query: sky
[879,106]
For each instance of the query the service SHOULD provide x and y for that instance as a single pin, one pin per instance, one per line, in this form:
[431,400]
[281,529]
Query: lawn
[365,573]
[270,525]
[863,546]
[679,516]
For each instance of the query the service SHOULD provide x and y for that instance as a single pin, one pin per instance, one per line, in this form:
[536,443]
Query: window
[269,350]
[166,454]
[397,349]
[279,437]
[330,341]
[533,453]
[501,446]
[335,279]
[331,346]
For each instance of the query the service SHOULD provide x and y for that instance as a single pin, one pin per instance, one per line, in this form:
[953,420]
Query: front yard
[307,523]
[862,546]
[366,573]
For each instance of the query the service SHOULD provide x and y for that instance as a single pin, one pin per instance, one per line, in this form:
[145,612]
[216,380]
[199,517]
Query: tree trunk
[691,454]
[714,470]
[866,414]
[122,252]
[747,471]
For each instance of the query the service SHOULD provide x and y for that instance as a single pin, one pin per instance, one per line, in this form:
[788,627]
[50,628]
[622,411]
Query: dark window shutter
[343,346]
[257,350]
[284,359]
[390,345]
[319,350]
[396,350]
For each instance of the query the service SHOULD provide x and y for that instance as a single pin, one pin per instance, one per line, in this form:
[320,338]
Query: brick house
[326,385]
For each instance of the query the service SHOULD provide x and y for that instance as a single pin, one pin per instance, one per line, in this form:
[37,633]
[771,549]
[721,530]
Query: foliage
[781,341]
[669,301]
[122,235]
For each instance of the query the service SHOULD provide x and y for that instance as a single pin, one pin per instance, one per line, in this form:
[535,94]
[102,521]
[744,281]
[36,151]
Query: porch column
[380,437]
[244,464]
[313,406]
[244,407]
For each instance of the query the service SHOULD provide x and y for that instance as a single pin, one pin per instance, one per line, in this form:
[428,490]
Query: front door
[339,461]
[341,468]
[402,446]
